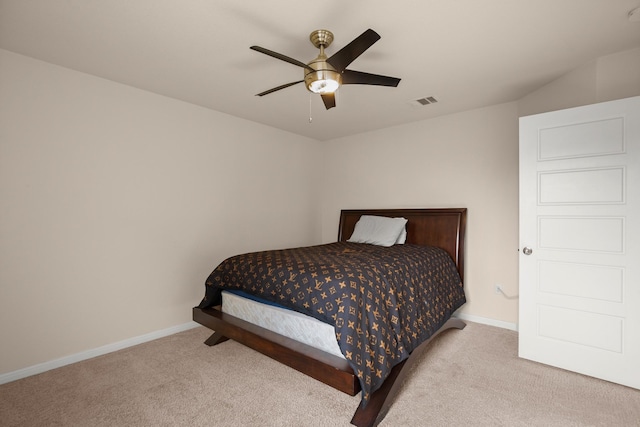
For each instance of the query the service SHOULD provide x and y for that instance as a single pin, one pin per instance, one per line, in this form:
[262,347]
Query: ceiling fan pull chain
[310,118]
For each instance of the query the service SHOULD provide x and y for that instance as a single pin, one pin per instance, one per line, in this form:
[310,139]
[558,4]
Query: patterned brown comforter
[383,302]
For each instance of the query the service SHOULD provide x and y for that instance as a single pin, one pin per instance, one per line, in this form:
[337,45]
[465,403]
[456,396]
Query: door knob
[527,250]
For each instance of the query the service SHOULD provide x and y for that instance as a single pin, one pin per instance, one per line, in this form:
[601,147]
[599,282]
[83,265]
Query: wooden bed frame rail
[327,368]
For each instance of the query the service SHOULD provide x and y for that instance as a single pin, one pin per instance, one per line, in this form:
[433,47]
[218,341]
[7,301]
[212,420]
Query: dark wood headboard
[443,228]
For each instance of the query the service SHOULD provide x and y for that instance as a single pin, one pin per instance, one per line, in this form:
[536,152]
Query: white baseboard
[487,321]
[109,348]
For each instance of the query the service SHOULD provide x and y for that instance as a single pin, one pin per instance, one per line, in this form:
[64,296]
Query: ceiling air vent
[424,101]
[427,100]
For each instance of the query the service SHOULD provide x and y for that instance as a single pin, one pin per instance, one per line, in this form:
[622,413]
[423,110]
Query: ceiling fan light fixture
[323,81]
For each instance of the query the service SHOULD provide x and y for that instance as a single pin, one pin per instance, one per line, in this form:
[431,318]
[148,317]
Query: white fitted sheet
[289,323]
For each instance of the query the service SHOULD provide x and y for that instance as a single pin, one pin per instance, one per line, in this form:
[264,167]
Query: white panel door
[580,240]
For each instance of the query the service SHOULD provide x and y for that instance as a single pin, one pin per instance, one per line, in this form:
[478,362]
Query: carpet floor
[469,377]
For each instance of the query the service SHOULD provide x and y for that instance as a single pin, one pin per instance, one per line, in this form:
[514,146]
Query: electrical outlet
[498,289]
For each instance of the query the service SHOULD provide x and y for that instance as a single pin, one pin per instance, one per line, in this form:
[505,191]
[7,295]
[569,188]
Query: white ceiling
[466,53]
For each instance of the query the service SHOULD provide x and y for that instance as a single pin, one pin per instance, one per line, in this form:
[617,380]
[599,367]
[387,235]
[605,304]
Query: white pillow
[378,230]
[402,238]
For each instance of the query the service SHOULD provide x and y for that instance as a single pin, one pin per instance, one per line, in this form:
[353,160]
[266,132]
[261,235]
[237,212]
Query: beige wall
[116,204]
[467,160]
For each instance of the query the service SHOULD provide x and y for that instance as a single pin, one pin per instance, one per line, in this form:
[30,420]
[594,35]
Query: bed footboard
[317,364]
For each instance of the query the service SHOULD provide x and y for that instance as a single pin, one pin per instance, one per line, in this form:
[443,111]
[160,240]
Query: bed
[373,362]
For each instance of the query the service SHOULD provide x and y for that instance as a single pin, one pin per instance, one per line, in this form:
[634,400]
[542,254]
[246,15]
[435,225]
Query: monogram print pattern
[383,302]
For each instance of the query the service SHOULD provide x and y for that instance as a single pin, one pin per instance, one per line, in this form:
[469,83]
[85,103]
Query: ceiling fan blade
[350,77]
[329,100]
[267,92]
[345,56]
[281,57]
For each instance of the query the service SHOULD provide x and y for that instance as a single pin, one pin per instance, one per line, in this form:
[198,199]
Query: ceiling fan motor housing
[324,79]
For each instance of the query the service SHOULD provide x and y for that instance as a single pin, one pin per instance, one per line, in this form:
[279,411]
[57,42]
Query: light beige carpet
[471,377]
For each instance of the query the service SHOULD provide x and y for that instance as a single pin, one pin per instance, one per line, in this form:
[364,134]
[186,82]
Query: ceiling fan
[324,75]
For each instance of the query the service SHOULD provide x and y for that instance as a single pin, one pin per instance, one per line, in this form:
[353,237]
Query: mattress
[289,323]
